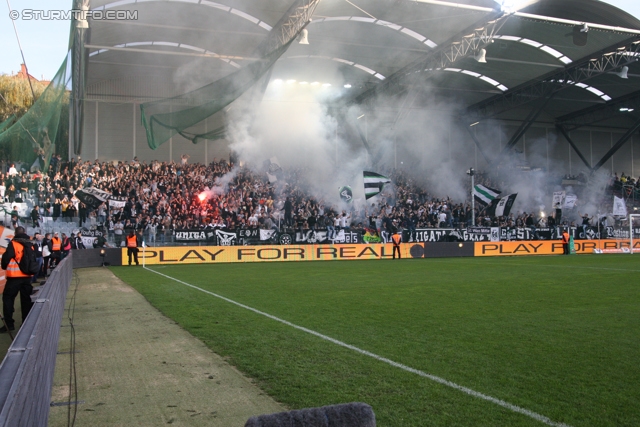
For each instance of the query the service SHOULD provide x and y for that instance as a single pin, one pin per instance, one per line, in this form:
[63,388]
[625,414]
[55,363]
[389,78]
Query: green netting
[43,126]
[7,123]
[181,114]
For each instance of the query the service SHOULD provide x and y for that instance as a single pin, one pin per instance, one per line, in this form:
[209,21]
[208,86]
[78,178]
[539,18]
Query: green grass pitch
[557,336]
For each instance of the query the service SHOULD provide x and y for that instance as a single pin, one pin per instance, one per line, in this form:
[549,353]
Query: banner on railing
[267,253]
[479,234]
[256,236]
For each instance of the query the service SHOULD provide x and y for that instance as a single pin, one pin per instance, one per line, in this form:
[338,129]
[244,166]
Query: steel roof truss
[602,62]
[291,23]
[600,113]
[462,45]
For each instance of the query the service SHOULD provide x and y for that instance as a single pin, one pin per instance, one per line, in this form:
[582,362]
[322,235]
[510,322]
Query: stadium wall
[91,257]
[113,131]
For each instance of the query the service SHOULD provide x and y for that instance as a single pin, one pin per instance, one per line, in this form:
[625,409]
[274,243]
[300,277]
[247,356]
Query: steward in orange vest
[396,239]
[132,247]
[55,246]
[17,281]
[565,242]
[56,243]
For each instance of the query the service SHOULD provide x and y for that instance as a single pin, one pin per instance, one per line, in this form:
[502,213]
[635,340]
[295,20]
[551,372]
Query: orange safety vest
[565,237]
[396,239]
[132,242]
[13,269]
[56,243]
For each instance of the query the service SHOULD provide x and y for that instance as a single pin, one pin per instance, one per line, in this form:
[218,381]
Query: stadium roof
[554,61]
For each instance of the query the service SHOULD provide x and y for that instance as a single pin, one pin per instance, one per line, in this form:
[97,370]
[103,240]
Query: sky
[45,43]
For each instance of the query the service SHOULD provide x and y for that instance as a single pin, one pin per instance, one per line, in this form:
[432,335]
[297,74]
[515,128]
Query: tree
[16,97]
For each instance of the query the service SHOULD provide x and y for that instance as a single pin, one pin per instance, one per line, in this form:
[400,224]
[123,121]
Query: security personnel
[565,242]
[396,239]
[132,247]
[55,246]
[17,281]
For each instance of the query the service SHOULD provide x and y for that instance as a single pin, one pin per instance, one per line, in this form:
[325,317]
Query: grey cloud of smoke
[221,184]
[424,142]
[292,125]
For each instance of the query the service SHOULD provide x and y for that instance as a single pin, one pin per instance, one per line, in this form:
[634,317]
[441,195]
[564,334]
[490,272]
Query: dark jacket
[78,243]
[10,252]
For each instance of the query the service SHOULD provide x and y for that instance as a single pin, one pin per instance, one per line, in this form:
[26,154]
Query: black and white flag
[502,207]
[117,202]
[484,195]
[92,196]
[373,183]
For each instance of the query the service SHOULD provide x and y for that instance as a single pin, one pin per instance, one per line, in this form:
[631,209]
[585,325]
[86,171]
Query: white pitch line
[434,378]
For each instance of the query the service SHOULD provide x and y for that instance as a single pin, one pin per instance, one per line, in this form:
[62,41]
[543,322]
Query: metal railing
[26,373]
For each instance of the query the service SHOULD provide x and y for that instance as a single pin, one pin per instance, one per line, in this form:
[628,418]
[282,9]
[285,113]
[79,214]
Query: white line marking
[439,380]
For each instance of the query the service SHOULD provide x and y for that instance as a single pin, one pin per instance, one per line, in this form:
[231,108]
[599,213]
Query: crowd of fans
[161,197]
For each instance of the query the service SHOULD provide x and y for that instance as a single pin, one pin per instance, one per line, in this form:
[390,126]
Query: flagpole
[599,233]
[471,172]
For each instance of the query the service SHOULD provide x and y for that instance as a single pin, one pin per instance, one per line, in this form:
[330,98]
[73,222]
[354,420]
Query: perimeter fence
[26,373]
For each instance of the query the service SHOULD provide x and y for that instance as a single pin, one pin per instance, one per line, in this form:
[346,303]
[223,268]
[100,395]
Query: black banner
[254,236]
[192,236]
[323,236]
[226,237]
[480,234]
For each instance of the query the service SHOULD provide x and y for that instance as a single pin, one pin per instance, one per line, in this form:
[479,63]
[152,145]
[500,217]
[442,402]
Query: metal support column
[531,118]
[573,145]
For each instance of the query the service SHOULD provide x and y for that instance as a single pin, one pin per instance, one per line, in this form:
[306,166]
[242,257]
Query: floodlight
[304,37]
[580,34]
[481,56]
[623,73]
